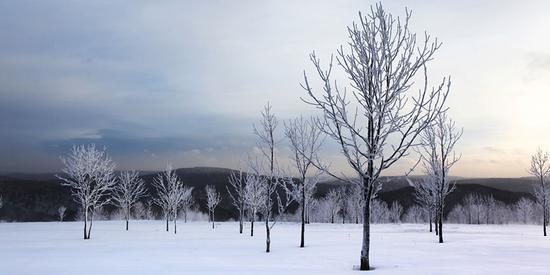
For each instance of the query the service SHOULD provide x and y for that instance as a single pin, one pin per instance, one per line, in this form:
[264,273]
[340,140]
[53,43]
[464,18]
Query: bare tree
[414,214]
[89,172]
[305,141]
[254,197]
[343,203]
[61,212]
[332,201]
[182,197]
[525,209]
[425,193]
[268,168]
[396,210]
[237,181]
[540,169]
[187,201]
[380,212]
[378,124]
[128,191]
[170,194]
[438,157]
[212,201]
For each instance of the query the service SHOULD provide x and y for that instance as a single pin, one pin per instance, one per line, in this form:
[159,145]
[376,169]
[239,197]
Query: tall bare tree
[89,172]
[237,180]
[378,124]
[212,200]
[540,169]
[267,166]
[438,156]
[305,141]
[128,191]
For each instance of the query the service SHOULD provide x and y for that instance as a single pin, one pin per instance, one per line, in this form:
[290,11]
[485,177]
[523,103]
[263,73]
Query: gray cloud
[182,81]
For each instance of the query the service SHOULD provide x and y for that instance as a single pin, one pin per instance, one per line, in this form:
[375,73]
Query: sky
[182,82]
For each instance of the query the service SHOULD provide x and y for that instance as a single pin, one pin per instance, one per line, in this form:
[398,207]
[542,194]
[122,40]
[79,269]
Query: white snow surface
[58,248]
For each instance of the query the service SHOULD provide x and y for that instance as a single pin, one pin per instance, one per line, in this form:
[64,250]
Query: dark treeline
[33,198]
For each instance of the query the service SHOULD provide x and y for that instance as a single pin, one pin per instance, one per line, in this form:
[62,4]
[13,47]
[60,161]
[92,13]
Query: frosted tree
[438,157]
[182,197]
[426,196]
[277,187]
[61,212]
[540,169]
[305,141]
[473,204]
[310,187]
[254,196]
[525,210]
[212,200]
[89,173]
[162,200]
[414,214]
[375,119]
[380,213]
[396,210]
[187,201]
[490,207]
[237,180]
[128,191]
[332,202]
[343,203]
[170,194]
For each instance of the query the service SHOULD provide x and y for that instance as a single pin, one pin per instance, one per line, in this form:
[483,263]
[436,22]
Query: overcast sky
[182,82]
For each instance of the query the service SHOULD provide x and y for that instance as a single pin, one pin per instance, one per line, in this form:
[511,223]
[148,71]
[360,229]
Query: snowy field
[57,248]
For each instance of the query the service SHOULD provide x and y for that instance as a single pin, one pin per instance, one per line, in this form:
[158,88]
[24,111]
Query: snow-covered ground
[57,248]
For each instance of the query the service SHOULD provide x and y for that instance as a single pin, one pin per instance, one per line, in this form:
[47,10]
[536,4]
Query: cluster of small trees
[268,189]
[337,207]
[90,174]
[479,209]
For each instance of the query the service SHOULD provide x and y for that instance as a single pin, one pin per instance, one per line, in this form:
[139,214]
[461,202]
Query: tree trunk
[544,219]
[85,223]
[175,221]
[440,221]
[430,219]
[302,233]
[365,248]
[212,218]
[91,222]
[241,223]
[436,222]
[252,227]
[268,238]
[343,217]
[167,220]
